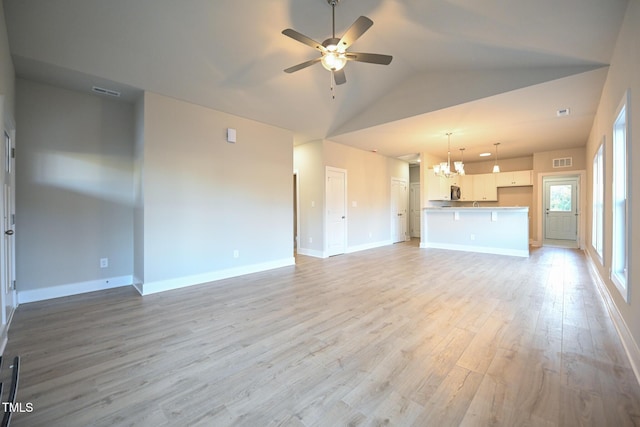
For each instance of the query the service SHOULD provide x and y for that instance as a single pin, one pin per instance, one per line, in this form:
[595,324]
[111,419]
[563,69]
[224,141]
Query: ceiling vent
[563,112]
[565,162]
[103,91]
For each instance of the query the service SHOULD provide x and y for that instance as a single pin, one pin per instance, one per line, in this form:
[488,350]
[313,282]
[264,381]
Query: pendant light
[459,166]
[496,168]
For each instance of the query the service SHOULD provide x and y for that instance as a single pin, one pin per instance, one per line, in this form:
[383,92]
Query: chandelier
[444,169]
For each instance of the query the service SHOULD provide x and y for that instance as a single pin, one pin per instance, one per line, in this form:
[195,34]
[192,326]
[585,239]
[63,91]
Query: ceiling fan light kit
[333,51]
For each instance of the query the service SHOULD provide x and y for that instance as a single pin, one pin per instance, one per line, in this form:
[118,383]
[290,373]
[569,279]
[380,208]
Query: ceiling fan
[333,51]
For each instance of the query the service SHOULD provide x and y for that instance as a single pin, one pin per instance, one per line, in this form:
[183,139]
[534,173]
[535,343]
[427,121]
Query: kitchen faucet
[476,204]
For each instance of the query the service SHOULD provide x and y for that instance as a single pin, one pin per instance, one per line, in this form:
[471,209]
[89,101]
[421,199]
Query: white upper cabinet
[438,187]
[514,179]
[466,188]
[484,187]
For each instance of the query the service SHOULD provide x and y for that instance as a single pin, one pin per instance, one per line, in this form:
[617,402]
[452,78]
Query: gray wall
[74,187]
[205,198]
[7,73]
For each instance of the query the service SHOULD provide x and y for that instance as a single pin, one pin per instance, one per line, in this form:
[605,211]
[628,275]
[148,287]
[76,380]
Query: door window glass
[560,198]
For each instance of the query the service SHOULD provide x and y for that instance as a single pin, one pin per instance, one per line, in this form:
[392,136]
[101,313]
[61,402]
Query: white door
[414,208]
[8,245]
[336,211]
[398,210]
[561,209]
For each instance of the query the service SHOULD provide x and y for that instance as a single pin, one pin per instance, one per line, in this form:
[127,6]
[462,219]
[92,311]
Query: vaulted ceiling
[487,70]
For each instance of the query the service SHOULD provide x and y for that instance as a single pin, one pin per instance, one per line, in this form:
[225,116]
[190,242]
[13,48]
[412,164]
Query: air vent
[563,112]
[565,162]
[103,91]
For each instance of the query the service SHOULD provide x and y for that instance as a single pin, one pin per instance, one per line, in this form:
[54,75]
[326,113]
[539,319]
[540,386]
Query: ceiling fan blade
[372,58]
[303,39]
[302,65]
[354,32]
[339,77]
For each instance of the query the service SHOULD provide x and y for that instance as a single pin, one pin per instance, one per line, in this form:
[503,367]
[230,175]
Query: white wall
[74,192]
[624,73]
[205,198]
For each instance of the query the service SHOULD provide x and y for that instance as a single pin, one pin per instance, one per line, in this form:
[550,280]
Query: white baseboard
[33,295]
[182,282]
[629,344]
[479,249]
[367,246]
[312,252]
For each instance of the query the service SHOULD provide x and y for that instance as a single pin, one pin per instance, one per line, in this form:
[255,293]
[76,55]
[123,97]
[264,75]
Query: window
[619,253]
[597,217]
[560,197]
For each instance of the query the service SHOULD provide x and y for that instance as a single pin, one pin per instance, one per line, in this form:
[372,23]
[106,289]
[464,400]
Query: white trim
[33,295]
[629,344]
[582,200]
[479,249]
[367,246]
[197,279]
[312,252]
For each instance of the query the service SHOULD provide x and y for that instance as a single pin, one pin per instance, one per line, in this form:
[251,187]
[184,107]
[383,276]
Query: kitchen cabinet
[438,187]
[514,179]
[466,188]
[484,187]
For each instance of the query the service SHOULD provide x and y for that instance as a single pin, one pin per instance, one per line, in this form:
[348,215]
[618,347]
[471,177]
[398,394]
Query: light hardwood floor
[390,336]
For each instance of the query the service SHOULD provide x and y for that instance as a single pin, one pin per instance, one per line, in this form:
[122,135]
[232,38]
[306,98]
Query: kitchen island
[495,230]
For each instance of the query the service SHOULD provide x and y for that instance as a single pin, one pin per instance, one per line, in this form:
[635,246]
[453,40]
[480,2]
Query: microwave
[455,192]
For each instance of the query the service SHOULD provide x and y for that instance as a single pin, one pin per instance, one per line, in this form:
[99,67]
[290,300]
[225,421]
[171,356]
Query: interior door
[336,211]
[8,248]
[561,209]
[398,210]
[414,209]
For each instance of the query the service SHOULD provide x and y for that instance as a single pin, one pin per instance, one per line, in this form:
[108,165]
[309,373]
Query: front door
[336,211]
[561,210]
[398,210]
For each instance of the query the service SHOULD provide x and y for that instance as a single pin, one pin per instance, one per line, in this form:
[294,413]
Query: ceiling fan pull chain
[333,93]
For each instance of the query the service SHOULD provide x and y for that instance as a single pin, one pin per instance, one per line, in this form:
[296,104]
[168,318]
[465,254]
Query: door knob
[9,232]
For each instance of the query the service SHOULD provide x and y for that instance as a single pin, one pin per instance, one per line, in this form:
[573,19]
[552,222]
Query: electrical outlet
[473,237]
[104,262]
[236,253]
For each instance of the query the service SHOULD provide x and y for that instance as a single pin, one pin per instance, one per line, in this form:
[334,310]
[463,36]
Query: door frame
[296,211]
[581,175]
[415,186]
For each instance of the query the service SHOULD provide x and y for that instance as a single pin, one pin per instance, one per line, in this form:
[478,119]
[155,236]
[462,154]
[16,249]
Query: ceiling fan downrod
[333,4]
